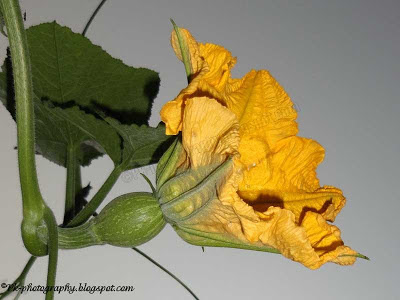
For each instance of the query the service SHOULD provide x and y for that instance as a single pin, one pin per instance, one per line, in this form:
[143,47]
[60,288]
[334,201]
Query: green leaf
[73,126]
[70,77]
[67,67]
[57,128]
[142,145]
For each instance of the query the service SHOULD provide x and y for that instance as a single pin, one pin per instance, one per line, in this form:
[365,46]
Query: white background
[338,60]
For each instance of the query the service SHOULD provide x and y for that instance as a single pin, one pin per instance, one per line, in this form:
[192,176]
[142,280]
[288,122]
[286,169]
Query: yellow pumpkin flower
[239,176]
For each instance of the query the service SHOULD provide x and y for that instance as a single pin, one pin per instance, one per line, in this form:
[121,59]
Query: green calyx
[189,201]
[187,194]
[184,192]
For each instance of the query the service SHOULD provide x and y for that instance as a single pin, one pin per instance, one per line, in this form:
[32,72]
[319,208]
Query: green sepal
[168,163]
[209,239]
[186,194]
[184,50]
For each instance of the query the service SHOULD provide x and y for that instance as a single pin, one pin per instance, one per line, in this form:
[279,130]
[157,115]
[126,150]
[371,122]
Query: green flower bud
[127,221]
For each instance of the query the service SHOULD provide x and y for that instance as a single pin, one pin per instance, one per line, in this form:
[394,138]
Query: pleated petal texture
[241,177]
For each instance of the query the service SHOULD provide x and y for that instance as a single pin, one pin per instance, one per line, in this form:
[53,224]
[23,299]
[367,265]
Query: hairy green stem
[33,204]
[78,178]
[73,183]
[24,111]
[79,197]
[74,237]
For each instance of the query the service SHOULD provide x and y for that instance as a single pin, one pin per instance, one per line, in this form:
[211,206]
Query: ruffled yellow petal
[286,177]
[210,65]
[280,167]
[247,180]
[313,243]
[326,241]
[267,119]
[210,132]
[294,162]
[263,108]
[327,201]
[216,59]
[220,62]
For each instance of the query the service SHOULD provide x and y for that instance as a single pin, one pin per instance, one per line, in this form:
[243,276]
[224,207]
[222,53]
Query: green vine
[33,203]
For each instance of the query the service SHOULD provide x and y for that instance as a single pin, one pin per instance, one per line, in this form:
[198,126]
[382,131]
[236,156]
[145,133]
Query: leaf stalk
[73,184]
[99,197]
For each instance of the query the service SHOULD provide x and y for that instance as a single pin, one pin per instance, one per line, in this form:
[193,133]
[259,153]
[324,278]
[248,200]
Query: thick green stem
[33,204]
[75,237]
[98,198]
[24,111]
[73,183]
